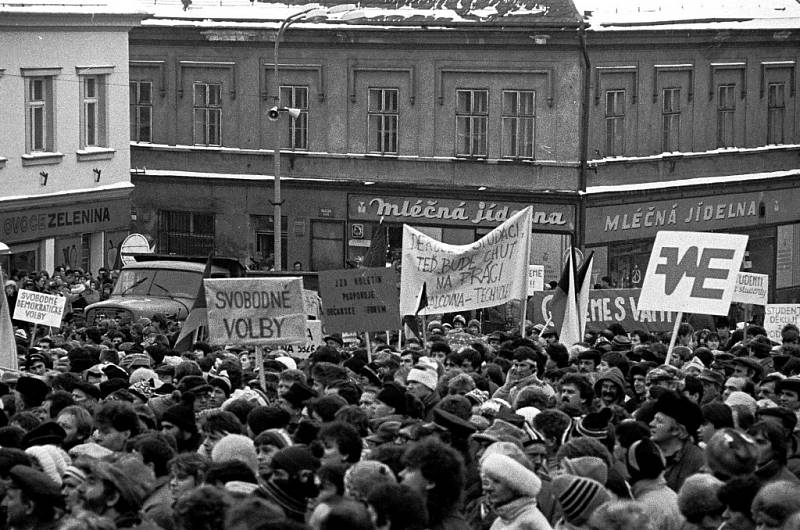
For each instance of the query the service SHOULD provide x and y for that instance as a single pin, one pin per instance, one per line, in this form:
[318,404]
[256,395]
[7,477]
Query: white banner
[39,308]
[313,340]
[751,288]
[693,272]
[535,279]
[778,315]
[253,311]
[488,272]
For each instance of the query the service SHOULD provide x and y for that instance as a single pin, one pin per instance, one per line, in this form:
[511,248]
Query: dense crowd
[110,427]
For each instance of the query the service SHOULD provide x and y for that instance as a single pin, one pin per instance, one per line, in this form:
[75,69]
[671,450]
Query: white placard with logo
[692,272]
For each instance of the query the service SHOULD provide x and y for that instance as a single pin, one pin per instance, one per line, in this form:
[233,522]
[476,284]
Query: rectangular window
[519,121]
[265,240]
[207,114]
[141,101]
[86,251]
[296,97]
[382,120]
[186,233]
[776,112]
[671,114]
[615,123]
[472,121]
[93,111]
[726,110]
[39,131]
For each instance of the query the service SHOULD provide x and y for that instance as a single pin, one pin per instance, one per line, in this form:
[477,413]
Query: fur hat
[579,497]
[644,460]
[299,393]
[423,376]
[32,389]
[517,477]
[730,453]
[681,409]
[48,432]
[698,497]
[394,396]
[182,414]
[236,447]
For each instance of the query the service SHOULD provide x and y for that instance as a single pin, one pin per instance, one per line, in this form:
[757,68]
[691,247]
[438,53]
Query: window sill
[41,159]
[95,153]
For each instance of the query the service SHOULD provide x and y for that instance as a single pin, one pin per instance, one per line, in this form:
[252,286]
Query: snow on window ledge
[95,153]
[41,158]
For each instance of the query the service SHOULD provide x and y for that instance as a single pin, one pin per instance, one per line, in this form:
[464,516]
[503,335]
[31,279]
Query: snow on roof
[670,15]
[74,7]
[107,187]
[369,13]
[725,179]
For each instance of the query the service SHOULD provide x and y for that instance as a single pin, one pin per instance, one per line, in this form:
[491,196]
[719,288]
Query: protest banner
[778,315]
[39,308]
[363,299]
[535,279]
[255,311]
[751,288]
[312,341]
[488,272]
[692,272]
[606,307]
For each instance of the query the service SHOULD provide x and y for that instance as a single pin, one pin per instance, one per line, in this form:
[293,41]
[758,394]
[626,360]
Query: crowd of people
[109,427]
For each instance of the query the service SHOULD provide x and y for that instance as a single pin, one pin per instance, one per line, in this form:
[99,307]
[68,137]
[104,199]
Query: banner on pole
[778,315]
[39,308]
[535,279]
[255,311]
[363,299]
[313,340]
[692,272]
[488,272]
[751,288]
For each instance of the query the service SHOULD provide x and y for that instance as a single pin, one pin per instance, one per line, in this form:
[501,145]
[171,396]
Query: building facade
[64,155]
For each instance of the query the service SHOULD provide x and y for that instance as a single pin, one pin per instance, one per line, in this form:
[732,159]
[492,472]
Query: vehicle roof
[176,265]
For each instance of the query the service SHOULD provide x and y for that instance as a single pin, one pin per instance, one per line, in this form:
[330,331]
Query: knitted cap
[362,477]
[730,453]
[579,497]
[236,447]
[594,424]
[743,399]
[52,460]
[423,376]
[508,471]
[698,497]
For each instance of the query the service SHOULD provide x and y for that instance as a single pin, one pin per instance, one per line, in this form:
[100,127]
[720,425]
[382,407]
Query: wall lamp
[97,172]
[43,178]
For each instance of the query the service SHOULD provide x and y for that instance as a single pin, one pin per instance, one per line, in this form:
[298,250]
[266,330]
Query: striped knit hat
[579,497]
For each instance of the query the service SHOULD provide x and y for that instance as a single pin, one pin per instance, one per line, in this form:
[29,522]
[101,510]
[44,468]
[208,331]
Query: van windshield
[158,282]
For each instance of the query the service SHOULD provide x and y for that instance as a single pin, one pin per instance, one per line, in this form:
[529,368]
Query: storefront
[458,222]
[74,230]
[621,230]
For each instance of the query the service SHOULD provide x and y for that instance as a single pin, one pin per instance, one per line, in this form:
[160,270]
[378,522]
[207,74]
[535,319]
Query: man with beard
[610,386]
[116,489]
[32,501]
[576,394]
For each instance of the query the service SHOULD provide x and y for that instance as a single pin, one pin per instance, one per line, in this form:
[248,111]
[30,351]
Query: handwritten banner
[255,311]
[535,278]
[751,288]
[312,341]
[778,315]
[606,307]
[488,272]
[359,299]
[39,308]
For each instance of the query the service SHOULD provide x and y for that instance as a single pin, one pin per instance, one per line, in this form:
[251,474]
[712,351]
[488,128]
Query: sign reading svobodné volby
[488,272]
[254,311]
[39,308]
[362,299]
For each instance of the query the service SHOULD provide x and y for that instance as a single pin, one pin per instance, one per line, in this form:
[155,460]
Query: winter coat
[520,514]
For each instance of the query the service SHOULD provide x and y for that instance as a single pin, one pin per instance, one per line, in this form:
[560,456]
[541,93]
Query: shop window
[615,123]
[186,233]
[39,116]
[671,117]
[327,245]
[776,112]
[296,97]
[141,104]
[264,226]
[207,113]
[383,120]
[726,112]
[519,123]
[93,111]
[86,251]
[472,121]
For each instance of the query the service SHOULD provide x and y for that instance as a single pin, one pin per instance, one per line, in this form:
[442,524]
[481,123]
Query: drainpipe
[584,137]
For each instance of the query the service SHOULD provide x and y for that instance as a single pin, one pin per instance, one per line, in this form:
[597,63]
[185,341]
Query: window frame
[776,114]
[522,123]
[299,125]
[726,115]
[386,131]
[206,110]
[189,241]
[671,120]
[45,103]
[94,111]
[615,120]
[137,105]
[478,143]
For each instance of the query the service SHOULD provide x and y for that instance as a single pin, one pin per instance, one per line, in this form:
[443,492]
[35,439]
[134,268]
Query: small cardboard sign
[313,340]
[364,299]
[39,308]
[751,288]
[778,315]
[535,279]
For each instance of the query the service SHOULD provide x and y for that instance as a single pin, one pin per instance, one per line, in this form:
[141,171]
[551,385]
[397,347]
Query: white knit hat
[424,377]
[428,362]
[53,460]
[505,469]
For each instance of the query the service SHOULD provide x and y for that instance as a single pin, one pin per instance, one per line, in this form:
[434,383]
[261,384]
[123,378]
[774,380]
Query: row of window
[383,119]
[671,111]
[40,113]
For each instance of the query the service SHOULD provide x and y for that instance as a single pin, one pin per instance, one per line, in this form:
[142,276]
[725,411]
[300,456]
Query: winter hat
[500,431]
[594,424]
[144,374]
[775,502]
[32,389]
[698,497]
[260,419]
[221,381]
[236,447]
[276,437]
[182,414]
[295,459]
[695,365]
[362,477]
[132,361]
[48,432]
[394,396]
[587,466]
[743,399]
[508,471]
[423,376]
[428,362]
[132,479]
[298,394]
[681,409]
[477,396]
[90,449]
[52,460]
[528,413]
[36,485]
[288,362]
[730,453]
[644,460]
[74,472]
[579,497]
